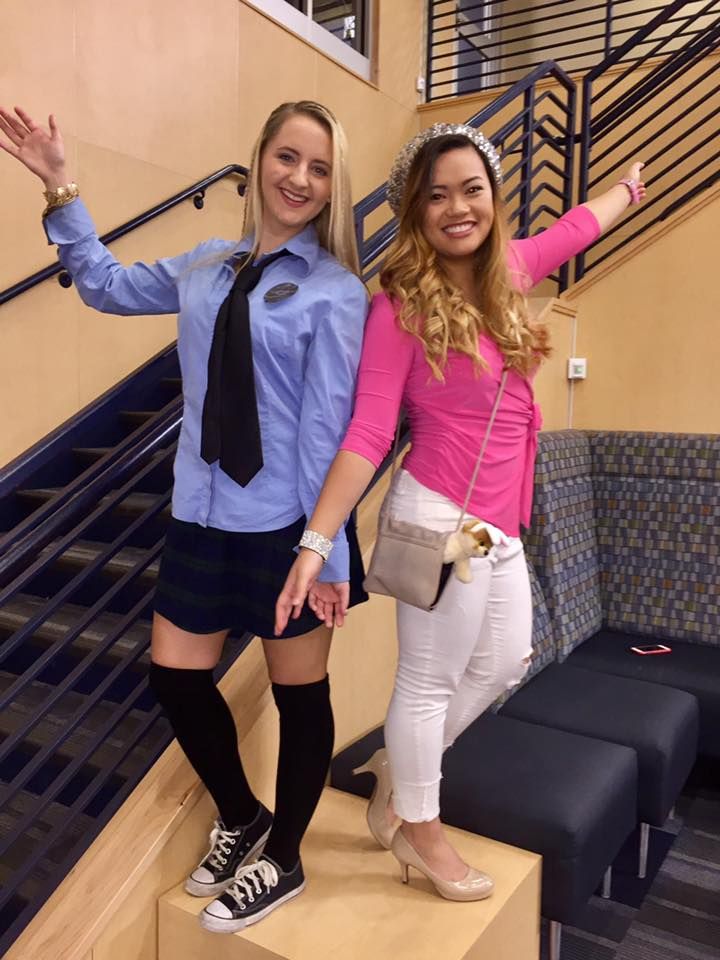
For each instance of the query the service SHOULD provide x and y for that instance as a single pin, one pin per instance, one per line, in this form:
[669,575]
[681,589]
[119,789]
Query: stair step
[54,817]
[132,505]
[137,417]
[173,382]
[355,906]
[80,554]
[16,612]
[29,702]
[88,455]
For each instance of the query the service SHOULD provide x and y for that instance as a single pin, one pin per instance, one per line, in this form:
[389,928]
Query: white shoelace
[247,881]
[220,843]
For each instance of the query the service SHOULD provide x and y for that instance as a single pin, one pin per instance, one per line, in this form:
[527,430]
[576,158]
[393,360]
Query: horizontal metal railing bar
[122,454]
[499,14]
[665,105]
[681,136]
[509,55]
[62,643]
[75,674]
[187,194]
[698,188]
[647,92]
[509,42]
[481,76]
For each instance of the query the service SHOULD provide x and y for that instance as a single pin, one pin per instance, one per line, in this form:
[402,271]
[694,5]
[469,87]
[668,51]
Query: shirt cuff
[69,224]
[337,568]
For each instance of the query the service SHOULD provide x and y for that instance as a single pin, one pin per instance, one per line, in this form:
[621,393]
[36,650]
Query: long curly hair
[434,309]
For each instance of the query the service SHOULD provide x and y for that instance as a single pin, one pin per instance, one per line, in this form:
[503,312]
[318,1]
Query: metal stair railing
[669,73]
[476,45]
[196,193]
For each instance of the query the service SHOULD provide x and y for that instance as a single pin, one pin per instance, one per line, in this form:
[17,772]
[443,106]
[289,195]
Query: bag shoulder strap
[486,438]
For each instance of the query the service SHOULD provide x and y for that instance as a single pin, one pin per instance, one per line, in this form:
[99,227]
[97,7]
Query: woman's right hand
[40,150]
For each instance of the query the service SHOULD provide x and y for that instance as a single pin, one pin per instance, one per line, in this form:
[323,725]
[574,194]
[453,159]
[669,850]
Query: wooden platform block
[355,906]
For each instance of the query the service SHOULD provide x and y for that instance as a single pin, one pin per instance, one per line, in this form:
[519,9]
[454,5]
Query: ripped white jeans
[454,661]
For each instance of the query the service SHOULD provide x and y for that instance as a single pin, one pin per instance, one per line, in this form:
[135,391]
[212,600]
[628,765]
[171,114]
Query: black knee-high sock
[205,729]
[307,734]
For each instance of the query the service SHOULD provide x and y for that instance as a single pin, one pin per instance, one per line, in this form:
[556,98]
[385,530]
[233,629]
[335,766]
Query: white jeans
[455,660]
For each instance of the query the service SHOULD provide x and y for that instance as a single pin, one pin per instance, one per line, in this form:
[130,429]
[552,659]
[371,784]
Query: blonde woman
[451,318]
[269,339]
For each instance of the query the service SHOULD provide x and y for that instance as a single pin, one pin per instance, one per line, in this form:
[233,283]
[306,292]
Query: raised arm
[610,206]
[102,282]
[384,366]
[534,258]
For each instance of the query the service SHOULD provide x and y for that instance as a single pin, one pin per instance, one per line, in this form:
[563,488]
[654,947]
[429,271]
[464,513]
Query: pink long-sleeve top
[448,419]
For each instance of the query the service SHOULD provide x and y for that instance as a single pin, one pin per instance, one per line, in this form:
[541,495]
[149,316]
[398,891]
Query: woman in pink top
[451,318]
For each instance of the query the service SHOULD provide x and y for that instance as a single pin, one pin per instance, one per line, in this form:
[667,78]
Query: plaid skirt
[211,580]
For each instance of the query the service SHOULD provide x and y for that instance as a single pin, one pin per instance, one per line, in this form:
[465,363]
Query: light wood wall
[648,325]
[152,97]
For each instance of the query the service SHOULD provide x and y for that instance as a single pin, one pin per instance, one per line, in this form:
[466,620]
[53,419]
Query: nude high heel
[381,830]
[475,886]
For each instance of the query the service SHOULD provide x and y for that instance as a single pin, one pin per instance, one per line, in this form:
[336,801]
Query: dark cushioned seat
[659,723]
[693,667]
[569,798]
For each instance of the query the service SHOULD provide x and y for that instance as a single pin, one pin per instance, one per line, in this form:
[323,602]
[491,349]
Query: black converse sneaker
[254,893]
[229,850]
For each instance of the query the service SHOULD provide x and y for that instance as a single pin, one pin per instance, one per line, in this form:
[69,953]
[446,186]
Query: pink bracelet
[632,186]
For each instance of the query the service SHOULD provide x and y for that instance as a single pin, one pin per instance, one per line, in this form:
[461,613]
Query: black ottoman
[659,723]
[569,798]
[693,667]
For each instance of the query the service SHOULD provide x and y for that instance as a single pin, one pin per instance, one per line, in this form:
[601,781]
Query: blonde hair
[334,224]
[432,308]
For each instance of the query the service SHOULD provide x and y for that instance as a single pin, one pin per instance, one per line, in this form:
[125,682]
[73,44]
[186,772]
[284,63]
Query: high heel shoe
[377,807]
[475,886]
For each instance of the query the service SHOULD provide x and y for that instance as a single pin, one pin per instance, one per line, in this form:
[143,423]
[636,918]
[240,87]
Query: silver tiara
[403,161]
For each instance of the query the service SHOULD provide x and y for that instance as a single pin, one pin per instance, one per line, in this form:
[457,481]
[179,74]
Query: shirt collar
[304,245]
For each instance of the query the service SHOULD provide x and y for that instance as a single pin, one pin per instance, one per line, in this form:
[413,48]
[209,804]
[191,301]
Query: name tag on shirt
[280,292]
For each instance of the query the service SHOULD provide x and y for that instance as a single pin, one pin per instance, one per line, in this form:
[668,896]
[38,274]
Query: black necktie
[230,424]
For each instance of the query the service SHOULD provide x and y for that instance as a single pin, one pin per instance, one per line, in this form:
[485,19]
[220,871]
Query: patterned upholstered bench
[625,539]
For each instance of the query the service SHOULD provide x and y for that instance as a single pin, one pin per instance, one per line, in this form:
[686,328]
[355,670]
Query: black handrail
[196,192]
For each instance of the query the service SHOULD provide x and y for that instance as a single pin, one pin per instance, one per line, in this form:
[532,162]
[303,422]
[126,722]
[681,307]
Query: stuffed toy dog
[471,540]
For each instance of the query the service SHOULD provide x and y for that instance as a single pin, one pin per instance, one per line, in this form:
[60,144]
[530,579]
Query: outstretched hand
[329,601]
[41,151]
[634,173]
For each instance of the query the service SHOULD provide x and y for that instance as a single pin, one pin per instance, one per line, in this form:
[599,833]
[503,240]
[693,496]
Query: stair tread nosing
[83,552]
[16,612]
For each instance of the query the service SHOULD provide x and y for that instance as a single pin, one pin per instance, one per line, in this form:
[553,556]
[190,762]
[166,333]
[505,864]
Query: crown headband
[401,167]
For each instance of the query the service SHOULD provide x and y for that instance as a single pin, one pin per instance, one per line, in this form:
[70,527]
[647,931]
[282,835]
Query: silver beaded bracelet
[316,542]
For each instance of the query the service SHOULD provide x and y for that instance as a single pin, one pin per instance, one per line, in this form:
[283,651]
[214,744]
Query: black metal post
[608,27]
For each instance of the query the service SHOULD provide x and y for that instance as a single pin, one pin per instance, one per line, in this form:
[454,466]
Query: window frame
[303,26]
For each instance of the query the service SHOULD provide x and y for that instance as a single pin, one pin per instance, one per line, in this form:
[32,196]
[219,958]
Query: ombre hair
[334,223]
[431,307]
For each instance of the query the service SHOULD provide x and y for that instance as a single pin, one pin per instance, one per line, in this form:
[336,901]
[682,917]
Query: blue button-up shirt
[306,350]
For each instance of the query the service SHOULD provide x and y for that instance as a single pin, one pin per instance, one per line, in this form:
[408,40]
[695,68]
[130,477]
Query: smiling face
[295,177]
[459,208]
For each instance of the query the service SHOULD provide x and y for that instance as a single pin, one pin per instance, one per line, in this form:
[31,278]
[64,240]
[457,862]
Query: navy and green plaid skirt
[213,580]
